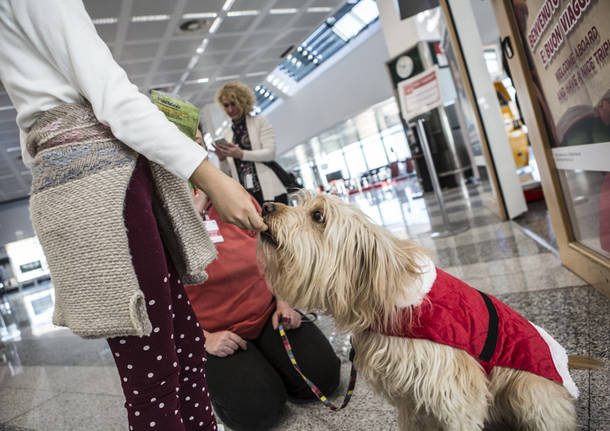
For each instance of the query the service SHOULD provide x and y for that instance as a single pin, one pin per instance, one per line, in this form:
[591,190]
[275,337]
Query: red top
[235,296]
[456,314]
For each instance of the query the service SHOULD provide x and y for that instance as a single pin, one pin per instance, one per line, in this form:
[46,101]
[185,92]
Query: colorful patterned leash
[312,386]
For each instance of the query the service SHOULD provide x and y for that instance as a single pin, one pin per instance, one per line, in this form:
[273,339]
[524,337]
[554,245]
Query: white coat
[262,141]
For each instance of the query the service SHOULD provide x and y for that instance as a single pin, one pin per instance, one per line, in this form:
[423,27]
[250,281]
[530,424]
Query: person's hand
[223,343]
[220,153]
[199,200]
[231,201]
[228,149]
[284,310]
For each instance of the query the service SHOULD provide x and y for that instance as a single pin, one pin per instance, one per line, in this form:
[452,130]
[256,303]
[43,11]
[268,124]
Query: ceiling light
[228,5]
[200,81]
[225,122]
[271,97]
[243,13]
[13,149]
[309,57]
[319,9]
[215,25]
[192,62]
[102,21]
[315,61]
[203,46]
[267,94]
[270,78]
[193,25]
[150,18]
[304,52]
[284,11]
[256,74]
[293,60]
[199,15]
[226,77]
[299,63]
[300,48]
[261,91]
[275,81]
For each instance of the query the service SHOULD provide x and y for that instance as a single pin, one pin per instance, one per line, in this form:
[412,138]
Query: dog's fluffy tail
[580,362]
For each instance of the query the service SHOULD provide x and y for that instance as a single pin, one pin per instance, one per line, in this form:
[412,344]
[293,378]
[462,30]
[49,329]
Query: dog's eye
[317,216]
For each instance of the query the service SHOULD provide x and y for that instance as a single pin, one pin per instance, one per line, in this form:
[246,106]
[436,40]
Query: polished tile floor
[51,380]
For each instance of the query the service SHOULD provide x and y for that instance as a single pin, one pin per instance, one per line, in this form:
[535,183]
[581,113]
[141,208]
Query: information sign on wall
[568,49]
[420,93]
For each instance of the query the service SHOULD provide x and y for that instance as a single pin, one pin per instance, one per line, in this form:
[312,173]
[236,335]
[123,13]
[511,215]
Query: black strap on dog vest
[492,331]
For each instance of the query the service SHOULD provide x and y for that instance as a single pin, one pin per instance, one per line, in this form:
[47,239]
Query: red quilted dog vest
[456,314]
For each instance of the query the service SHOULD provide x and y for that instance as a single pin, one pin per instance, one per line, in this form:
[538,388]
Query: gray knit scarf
[80,177]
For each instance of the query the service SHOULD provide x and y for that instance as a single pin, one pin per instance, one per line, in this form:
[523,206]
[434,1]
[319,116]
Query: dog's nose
[268,208]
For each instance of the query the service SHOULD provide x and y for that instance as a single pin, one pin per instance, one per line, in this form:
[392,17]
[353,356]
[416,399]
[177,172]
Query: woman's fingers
[239,342]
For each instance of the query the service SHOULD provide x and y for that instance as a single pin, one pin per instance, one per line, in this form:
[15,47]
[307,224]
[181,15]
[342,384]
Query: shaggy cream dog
[326,255]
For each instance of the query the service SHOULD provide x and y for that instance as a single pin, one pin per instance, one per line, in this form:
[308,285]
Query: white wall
[350,86]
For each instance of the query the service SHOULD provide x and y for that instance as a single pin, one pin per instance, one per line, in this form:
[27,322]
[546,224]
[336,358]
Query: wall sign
[420,93]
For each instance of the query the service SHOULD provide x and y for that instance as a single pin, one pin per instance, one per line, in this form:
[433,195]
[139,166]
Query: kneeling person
[249,374]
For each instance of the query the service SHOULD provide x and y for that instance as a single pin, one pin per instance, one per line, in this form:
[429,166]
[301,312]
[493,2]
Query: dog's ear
[365,289]
[384,267]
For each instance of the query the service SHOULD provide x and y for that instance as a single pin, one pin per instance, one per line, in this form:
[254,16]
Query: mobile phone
[221,141]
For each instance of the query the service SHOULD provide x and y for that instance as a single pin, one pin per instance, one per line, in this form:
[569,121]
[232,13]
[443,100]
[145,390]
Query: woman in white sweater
[112,209]
[249,144]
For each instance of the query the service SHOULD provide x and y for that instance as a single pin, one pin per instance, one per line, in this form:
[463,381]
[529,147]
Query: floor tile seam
[508,271]
[532,235]
[34,407]
[486,259]
[68,392]
[537,290]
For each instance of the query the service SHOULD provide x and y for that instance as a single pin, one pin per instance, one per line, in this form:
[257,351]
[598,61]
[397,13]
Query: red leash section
[312,386]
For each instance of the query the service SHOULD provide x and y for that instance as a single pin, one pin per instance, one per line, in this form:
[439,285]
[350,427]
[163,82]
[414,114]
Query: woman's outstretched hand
[231,201]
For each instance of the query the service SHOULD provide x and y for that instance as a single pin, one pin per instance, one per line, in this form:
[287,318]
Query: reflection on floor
[51,380]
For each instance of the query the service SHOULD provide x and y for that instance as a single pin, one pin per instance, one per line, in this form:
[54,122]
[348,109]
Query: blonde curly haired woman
[249,143]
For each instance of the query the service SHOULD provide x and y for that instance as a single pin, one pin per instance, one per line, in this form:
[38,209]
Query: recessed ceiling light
[243,13]
[102,21]
[215,25]
[150,18]
[228,5]
[198,81]
[284,11]
[226,77]
[199,15]
[203,46]
[319,9]
[256,73]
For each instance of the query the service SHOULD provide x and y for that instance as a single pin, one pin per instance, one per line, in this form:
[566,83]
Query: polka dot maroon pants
[162,375]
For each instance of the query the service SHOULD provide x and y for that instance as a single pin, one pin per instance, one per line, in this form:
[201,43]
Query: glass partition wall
[358,154]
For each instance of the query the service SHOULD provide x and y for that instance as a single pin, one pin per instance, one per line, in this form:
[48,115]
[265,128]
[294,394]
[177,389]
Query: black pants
[249,388]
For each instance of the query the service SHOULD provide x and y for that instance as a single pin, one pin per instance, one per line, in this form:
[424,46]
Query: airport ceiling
[245,41]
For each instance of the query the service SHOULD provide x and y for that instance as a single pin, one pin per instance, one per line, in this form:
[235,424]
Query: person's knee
[324,371]
[258,412]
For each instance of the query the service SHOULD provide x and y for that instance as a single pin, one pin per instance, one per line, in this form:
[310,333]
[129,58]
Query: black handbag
[287,179]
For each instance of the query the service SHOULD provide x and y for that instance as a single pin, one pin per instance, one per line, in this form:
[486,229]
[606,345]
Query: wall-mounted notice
[420,93]
[568,48]
[568,45]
